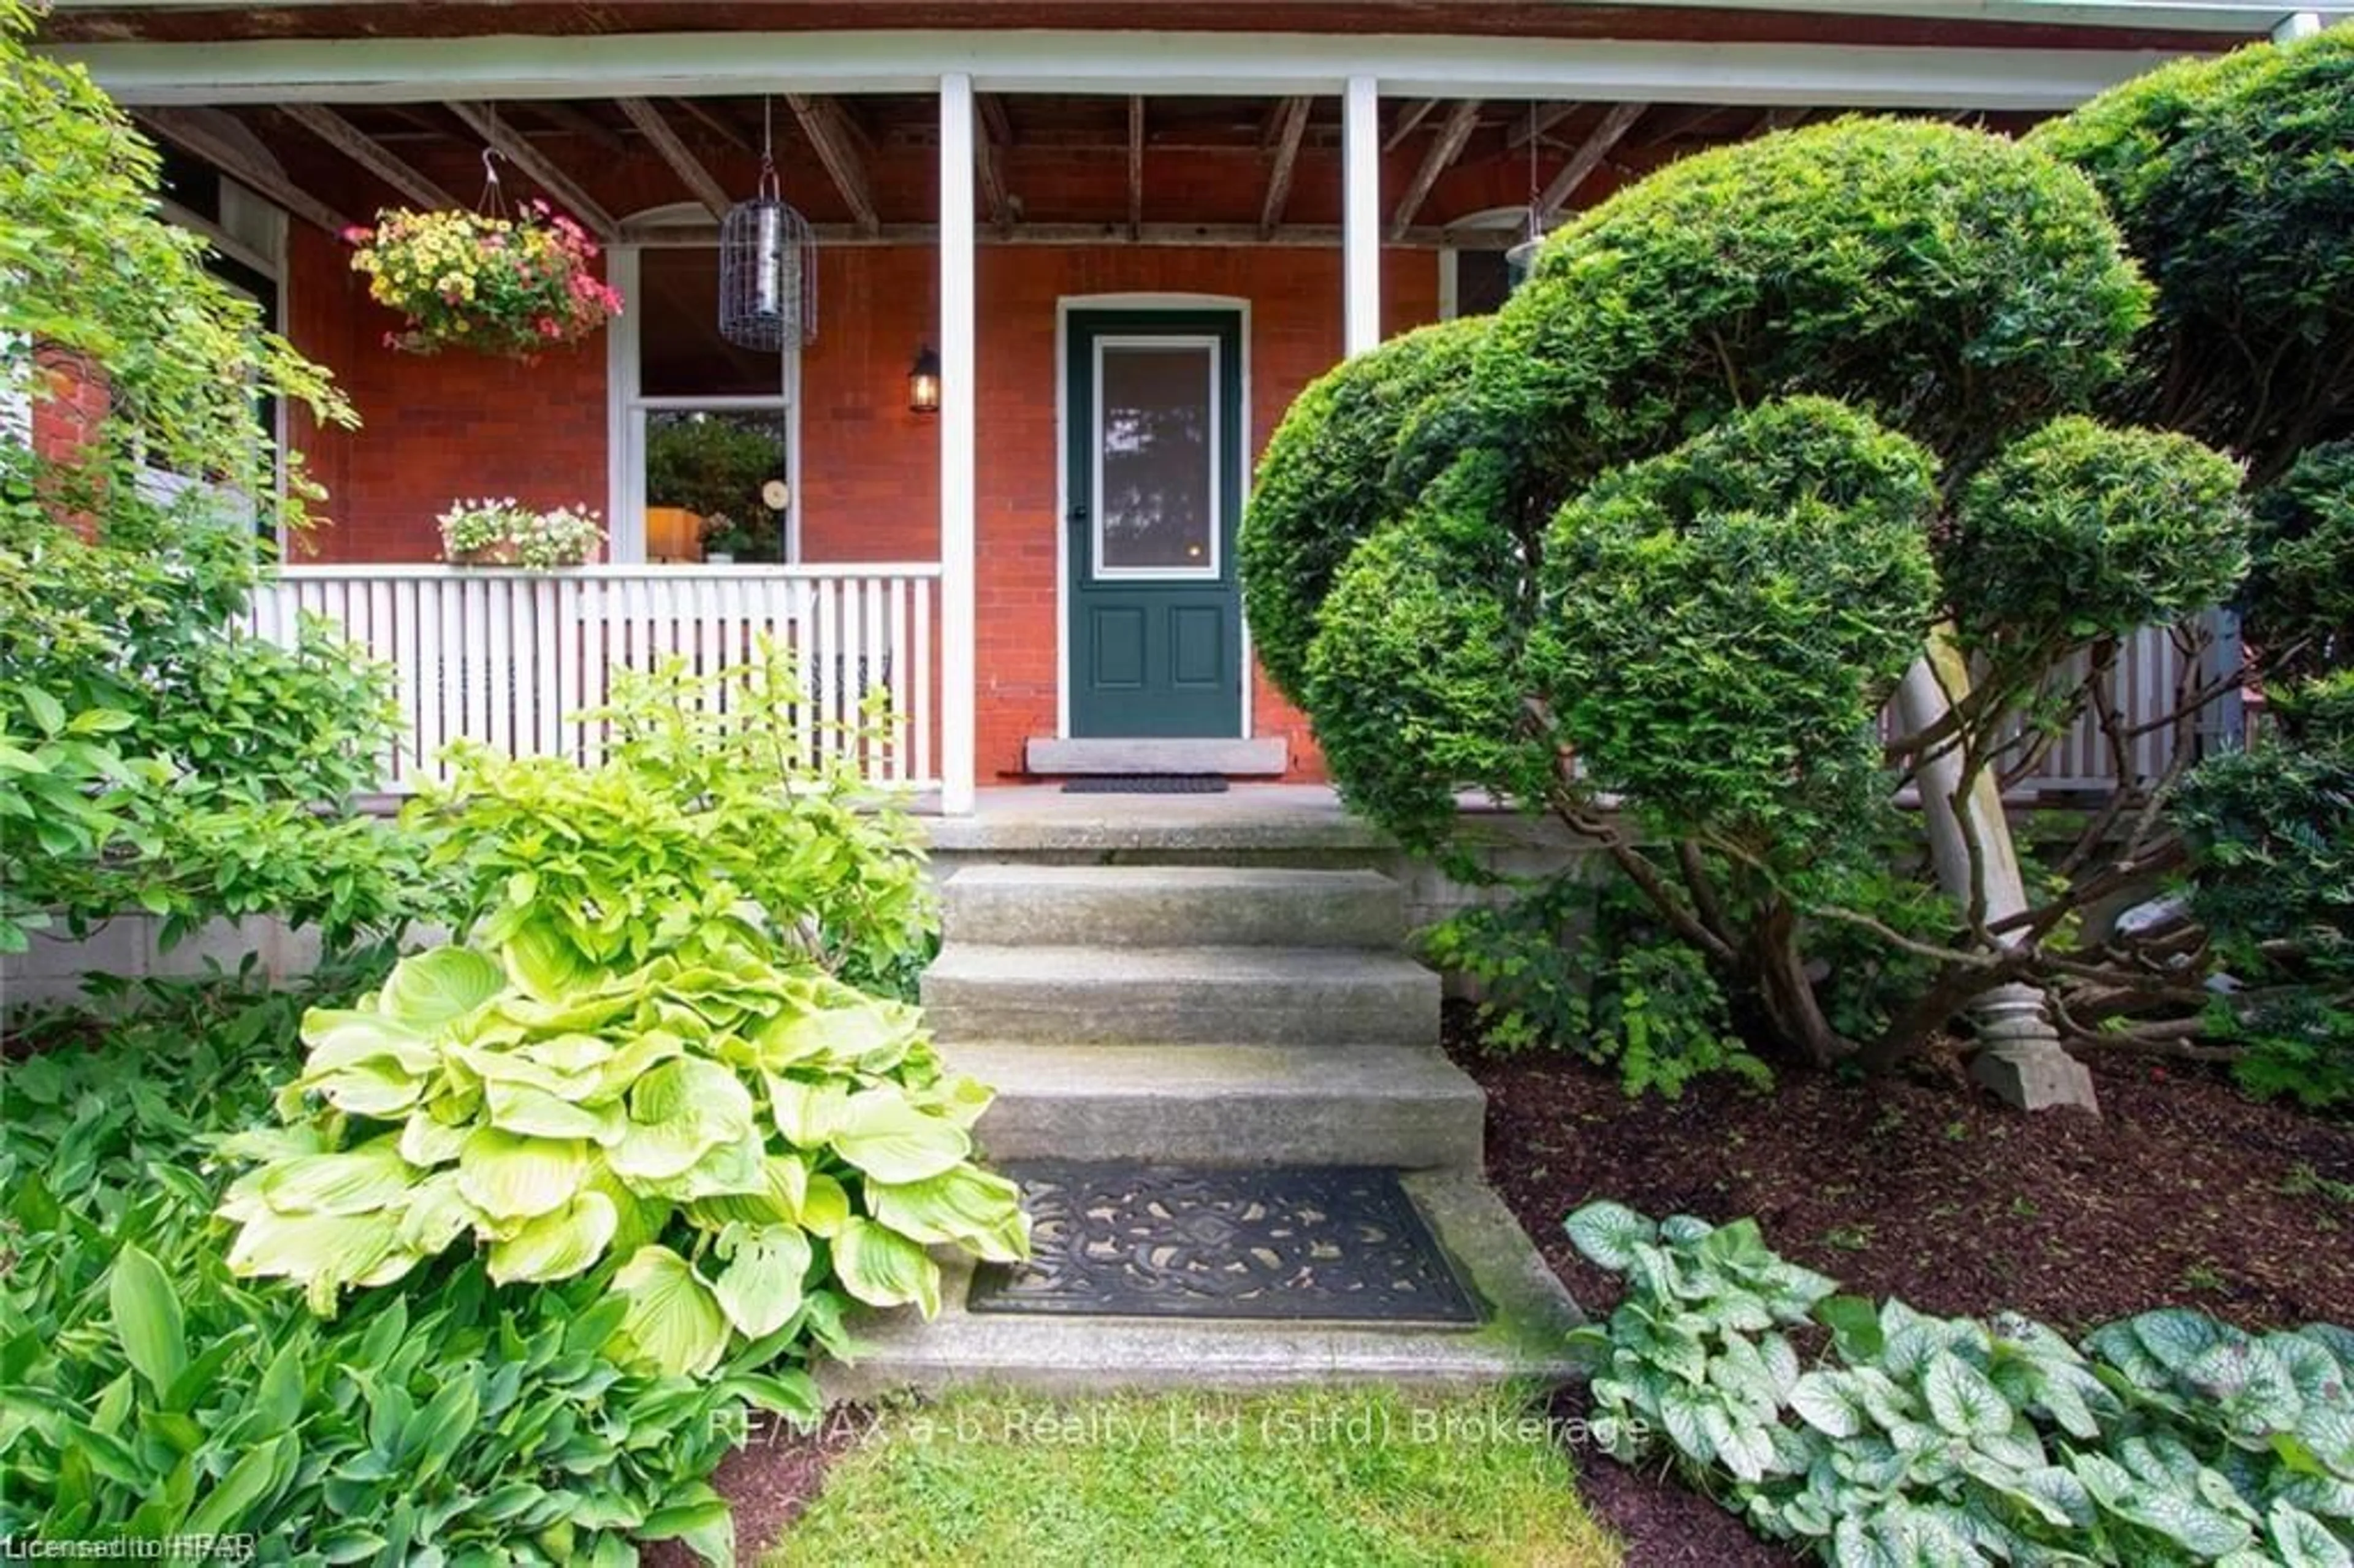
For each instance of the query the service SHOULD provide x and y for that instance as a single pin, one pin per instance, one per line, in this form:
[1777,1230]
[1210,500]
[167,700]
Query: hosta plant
[728,1137]
[2168,1438]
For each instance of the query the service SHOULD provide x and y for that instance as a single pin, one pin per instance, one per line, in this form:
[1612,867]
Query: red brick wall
[453,425]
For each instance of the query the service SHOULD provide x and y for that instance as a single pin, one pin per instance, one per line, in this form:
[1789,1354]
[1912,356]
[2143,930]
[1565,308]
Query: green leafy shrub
[2229,182]
[1323,485]
[706,818]
[2080,530]
[151,757]
[2167,1438]
[147,1393]
[1658,562]
[1616,992]
[784,1129]
[2299,601]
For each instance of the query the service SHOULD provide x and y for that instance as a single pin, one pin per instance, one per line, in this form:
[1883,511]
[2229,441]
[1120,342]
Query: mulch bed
[768,1482]
[2183,1192]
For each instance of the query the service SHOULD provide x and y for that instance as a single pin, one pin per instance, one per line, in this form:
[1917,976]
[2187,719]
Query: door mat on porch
[1284,1242]
[1147,784]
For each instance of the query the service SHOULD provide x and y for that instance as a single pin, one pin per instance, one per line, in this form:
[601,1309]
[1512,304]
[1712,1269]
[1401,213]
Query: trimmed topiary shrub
[1323,485]
[2300,596]
[2231,182]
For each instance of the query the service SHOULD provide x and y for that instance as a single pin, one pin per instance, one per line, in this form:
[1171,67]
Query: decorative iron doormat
[1147,784]
[1157,1240]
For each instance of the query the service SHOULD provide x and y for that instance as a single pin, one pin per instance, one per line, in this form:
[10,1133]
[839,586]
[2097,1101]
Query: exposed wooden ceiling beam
[1460,122]
[1135,166]
[682,160]
[1588,156]
[717,125]
[1412,115]
[572,122]
[216,145]
[1310,235]
[986,150]
[1774,120]
[543,169]
[369,154]
[994,119]
[1680,124]
[1287,157]
[836,140]
[1539,119]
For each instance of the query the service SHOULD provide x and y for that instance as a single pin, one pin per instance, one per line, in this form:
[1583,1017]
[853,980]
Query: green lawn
[1359,1476]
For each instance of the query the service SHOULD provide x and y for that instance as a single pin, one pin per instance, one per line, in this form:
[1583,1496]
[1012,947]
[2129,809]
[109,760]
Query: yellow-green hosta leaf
[825,1208]
[557,1246]
[761,1286]
[643,1051]
[494,1064]
[806,1113]
[325,1252]
[428,990]
[378,1089]
[544,962]
[436,1215]
[672,1319]
[510,1176]
[778,1200]
[889,1138]
[571,1055]
[883,1268]
[356,1181]
[729,1170]
[678,1113]
[639,1220]
[838,1032]
[968,1206]
[339,1038]
[427,1141]
[535,1113]
[956,1098]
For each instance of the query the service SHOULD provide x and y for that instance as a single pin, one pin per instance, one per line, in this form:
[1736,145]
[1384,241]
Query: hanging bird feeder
[768,269]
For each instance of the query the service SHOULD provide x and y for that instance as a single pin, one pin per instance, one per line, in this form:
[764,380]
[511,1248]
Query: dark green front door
[1153,405]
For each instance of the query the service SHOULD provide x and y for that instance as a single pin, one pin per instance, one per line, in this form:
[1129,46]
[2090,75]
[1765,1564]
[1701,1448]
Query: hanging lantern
[768,269]
[924,382]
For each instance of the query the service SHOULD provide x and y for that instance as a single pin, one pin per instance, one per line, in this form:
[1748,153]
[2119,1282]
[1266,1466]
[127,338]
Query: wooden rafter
[572,122]
[1683,123]
[1583,162]
[1774,120]
[677,154]
[835,139]
[1135,166]
[716,124]
[1412,115]
[219,146]
[995,118]
[1287,158]
[1460,122]
[986,156]
[480,119]
[1539,119]
[369,154]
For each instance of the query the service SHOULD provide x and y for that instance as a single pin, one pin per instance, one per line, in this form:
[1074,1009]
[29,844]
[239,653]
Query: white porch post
[960,667]
[1361,231]
[2296,24]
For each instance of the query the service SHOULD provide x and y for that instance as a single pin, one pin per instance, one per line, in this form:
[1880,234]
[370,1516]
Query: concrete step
[1131,996]
[1406,1107]
[1172,905]
[1527,1311]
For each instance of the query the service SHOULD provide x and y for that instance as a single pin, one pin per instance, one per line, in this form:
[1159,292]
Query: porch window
[710,424]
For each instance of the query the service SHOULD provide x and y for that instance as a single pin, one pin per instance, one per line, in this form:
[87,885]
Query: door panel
[1153,404]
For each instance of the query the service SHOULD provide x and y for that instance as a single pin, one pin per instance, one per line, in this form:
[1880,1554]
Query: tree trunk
[2019,1056]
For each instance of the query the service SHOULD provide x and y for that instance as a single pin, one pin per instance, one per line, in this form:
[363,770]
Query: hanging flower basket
[496,285]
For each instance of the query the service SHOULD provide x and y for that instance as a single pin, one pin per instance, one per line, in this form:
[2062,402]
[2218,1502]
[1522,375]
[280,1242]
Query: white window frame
[626,411]
[1215,566]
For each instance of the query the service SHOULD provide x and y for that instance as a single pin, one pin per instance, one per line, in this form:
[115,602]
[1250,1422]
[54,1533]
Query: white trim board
[688,65]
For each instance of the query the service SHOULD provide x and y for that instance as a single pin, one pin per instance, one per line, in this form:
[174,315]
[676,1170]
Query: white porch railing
[511,658]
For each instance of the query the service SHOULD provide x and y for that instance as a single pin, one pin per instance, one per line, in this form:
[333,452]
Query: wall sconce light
[924,382]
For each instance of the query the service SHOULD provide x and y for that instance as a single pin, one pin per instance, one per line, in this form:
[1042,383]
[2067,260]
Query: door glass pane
[705,474]
[1157,494]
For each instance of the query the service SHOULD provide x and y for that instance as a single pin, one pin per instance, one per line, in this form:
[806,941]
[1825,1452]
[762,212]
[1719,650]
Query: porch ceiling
[1053,169]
